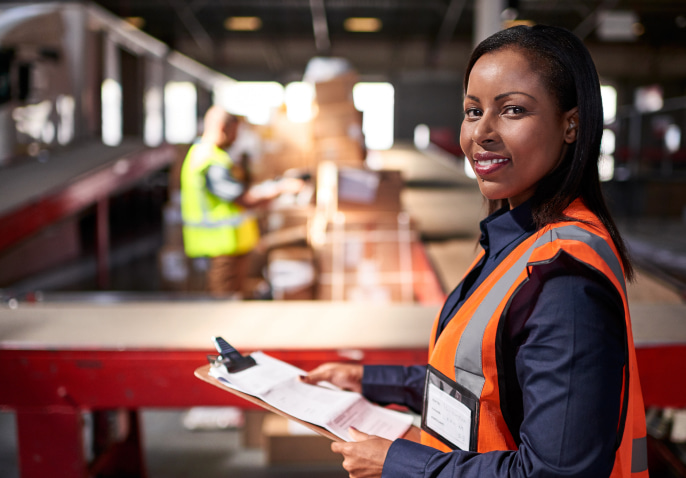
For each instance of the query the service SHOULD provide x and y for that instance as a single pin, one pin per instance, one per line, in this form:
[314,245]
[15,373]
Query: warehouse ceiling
[411,35]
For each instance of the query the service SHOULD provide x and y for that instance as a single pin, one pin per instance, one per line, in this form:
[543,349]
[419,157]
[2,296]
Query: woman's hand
[363,458]
[344,375]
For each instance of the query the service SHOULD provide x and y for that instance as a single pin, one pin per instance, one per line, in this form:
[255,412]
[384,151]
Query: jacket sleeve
[568,336]
[385,384]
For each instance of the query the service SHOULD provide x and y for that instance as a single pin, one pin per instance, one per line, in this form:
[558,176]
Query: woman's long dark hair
[569,73]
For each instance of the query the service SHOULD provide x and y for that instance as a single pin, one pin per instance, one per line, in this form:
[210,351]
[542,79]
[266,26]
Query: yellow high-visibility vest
[211,225]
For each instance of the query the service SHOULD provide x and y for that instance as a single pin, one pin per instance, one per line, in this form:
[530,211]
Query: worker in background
[216,204]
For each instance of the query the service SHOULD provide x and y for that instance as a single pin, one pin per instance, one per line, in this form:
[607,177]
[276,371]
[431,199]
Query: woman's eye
[472,113]
[514,110]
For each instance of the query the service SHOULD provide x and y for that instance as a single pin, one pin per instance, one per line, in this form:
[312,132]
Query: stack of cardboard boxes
[366,253]
[333,135]
[351,242]
[359,238]
[286,145]
[337,125]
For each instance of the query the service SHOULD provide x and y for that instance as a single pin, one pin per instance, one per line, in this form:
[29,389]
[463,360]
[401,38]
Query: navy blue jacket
[563,350]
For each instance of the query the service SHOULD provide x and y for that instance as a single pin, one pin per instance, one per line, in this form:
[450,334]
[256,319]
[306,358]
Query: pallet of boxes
[333,135]
[362,238]
[355,240]
[358,244]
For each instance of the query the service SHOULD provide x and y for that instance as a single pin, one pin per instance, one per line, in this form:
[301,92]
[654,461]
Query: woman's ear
[571,122]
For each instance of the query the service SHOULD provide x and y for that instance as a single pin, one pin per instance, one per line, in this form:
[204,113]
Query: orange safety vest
[466,349]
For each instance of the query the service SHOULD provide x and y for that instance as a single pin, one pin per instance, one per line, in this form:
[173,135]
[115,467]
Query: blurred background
[100,101]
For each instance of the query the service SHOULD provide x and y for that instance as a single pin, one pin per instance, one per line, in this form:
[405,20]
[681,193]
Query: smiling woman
[513,132]
[532,369]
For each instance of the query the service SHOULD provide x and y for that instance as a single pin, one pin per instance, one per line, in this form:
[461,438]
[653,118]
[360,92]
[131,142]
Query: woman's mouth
[488,163]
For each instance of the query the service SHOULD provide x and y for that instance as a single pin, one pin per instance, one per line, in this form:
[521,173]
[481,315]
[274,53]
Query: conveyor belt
[36,194]
[190,325]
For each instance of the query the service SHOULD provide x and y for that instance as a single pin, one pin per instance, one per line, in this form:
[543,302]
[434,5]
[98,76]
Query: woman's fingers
[345,376]
[364,457]
[357,435]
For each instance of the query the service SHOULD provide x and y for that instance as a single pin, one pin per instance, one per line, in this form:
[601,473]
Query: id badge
[450,412]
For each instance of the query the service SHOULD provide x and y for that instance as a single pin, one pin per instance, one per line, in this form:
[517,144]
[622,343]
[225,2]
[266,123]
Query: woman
[532,369]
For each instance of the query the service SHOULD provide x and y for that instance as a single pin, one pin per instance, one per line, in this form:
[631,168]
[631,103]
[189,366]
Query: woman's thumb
[357,435]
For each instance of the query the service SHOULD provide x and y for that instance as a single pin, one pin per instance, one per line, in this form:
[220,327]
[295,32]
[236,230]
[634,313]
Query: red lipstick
[487,163]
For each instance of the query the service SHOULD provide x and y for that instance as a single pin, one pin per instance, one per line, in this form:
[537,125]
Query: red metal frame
[102,379]
[427,288]
[662,374]
[81,193]
[49,389]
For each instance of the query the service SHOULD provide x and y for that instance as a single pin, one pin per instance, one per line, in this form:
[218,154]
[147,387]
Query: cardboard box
[297,136]
[367,257]
[275,163]
[282,218]
[287,442]
[337,119]
[337,90]
[357,185]
[387,197]
[291,273]
[341,150]
[253,436]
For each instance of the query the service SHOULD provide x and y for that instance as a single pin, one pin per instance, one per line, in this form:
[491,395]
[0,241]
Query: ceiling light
[362,24]
[514,23]
[243,24]
[618,25]
[138,22]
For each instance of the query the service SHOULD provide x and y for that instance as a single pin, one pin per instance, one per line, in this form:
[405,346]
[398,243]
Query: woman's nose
[484,130]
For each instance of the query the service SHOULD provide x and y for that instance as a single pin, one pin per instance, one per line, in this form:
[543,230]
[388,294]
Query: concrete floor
[171,451]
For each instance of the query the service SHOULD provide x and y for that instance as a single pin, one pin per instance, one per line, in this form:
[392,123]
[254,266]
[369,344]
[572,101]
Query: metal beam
[446,30]
[195,29]
[321,29]
[436,5]
[590,23]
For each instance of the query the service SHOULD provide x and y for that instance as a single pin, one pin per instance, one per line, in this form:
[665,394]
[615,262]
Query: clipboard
[203,373]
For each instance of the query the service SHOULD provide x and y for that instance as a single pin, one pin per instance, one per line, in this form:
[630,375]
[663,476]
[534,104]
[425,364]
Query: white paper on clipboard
[277,383]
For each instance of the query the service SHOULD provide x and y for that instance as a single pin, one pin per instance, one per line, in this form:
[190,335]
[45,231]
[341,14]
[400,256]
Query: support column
[51,443]
[102,238]
[487,19]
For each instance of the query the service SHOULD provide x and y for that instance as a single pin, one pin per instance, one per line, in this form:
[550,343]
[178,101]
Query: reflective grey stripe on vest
[468,370]
[233,221]
[639,455]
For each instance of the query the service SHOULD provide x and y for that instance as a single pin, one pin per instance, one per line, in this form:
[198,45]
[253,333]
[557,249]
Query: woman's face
[513,134]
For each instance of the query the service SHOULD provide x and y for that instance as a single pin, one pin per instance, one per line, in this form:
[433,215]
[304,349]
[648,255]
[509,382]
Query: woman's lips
[488,163]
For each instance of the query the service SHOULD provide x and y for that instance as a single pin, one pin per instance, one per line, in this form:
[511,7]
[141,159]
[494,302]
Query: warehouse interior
[104,319]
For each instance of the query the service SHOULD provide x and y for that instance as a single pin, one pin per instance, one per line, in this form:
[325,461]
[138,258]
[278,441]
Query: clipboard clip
[230,357]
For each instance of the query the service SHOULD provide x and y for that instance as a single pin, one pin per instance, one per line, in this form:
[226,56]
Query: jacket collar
[505,226]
